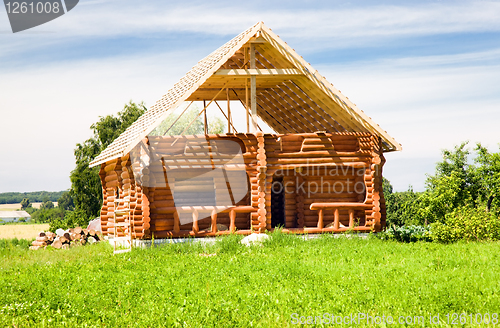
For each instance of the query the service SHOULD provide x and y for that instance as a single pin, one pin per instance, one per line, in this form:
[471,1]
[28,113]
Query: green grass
[241,287]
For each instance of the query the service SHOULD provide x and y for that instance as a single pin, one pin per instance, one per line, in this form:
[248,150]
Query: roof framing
[291,96]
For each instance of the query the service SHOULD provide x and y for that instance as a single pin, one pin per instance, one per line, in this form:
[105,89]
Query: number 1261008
[33,8]
[474,319]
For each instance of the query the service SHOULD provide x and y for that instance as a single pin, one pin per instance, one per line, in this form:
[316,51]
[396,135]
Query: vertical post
[214,221]
[351,218]
[246,105]
[253,89]
[246,94]
[176,222]
[228,112]
[320,219]
[195,221]
[336,219]
[232,218]
[206,121]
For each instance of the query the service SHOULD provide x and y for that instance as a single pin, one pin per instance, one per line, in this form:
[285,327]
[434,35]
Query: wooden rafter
[271,65]
[277,111]
[258,72]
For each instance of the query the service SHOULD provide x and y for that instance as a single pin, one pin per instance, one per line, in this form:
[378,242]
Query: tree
[66,201]
[25,203]
[401,207]
[86,190]
[456,187]
[47,205]
[487,175]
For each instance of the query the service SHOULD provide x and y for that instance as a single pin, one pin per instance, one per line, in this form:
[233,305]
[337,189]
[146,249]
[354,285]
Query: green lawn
[266,286]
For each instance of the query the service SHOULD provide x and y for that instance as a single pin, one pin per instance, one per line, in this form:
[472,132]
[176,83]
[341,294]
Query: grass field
[22,231]
[180,286]
[10,207]
[17,207]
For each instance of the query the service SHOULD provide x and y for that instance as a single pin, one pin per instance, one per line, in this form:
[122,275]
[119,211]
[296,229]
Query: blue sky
[428,72]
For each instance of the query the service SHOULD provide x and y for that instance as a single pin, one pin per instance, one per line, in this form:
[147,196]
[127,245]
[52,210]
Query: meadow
[230,285]
[22,230]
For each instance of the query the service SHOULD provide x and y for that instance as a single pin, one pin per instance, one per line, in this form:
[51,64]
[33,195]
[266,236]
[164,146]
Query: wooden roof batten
[285,87]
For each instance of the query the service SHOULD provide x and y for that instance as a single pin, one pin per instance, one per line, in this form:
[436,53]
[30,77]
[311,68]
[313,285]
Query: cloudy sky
[428,72]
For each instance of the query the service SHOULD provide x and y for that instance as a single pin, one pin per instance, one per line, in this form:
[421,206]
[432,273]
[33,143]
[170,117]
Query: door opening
[277,203]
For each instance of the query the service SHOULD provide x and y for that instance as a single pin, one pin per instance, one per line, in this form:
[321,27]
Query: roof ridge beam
[244,72]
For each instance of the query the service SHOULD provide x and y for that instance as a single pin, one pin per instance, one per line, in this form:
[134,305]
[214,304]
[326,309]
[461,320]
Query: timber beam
[258,71]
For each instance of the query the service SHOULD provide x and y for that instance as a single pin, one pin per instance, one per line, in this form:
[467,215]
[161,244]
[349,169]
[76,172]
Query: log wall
[313,167]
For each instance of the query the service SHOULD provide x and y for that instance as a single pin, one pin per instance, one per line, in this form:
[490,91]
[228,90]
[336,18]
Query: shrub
[407,234]
[14,242]
[467,223]
[76,218]
[402,207]
[44,215]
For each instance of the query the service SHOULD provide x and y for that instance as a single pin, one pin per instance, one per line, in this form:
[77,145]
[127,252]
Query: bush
[76,218]
[468,223]
[14,242]
[402,207]
[44,215]
[407,234]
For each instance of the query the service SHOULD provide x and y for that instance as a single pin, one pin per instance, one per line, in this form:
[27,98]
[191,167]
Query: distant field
[22,231]
[17,207]
[10,207]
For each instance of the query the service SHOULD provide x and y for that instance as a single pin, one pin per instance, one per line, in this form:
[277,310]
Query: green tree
[44,215]
[487,176]
[66,201]
[402,207]
[25,203]
[86,188]
[47,205]
[456,187]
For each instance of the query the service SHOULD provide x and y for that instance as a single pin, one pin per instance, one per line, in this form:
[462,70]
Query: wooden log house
[321,171]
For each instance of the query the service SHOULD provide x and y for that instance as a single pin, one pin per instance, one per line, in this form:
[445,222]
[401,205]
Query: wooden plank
[277,110]
[326,86]
[258,72]
[299,95]
[318,121]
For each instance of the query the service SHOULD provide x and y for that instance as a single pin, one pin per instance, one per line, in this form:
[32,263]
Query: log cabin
[319,171]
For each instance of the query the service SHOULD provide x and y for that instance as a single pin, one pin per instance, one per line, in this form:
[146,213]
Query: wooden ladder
[124,227]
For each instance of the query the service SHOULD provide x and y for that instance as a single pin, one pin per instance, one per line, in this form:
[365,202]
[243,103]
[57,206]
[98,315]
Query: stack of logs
[72,237]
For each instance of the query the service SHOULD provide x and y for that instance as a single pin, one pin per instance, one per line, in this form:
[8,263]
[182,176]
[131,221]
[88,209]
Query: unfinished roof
[291,97]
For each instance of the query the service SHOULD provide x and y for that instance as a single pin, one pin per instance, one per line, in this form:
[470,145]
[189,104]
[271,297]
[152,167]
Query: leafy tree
[76,218]
[25,203]
[44,215]
[402,207]
[47,205]
[457,187]
[45,197]
[36,196]
[487,176]
[86,189]
[66,201]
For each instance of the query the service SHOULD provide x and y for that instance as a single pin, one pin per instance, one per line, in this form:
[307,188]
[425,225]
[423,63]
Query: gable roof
[292,97]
